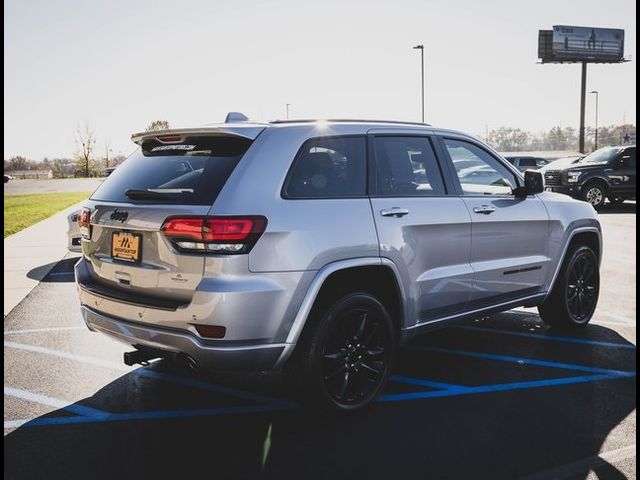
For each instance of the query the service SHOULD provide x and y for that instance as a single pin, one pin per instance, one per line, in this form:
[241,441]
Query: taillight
[84,222]
[228,235]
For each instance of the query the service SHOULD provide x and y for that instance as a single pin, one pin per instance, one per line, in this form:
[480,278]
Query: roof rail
[349,120]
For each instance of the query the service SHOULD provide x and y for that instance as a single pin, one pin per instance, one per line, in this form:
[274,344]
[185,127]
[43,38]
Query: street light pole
[421,48]
[596,133]
[288,105]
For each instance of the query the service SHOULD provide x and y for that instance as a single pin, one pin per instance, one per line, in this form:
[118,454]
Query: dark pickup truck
[607,173]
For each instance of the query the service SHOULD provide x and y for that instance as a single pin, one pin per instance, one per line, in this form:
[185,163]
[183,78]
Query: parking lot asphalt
[29,186]
[499,397]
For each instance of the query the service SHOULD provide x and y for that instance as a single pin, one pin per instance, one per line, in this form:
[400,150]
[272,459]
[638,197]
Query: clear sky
[120,64]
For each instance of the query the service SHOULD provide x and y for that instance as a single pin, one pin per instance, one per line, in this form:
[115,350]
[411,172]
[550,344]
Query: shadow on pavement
[626,207]
[54,272]
[502,434]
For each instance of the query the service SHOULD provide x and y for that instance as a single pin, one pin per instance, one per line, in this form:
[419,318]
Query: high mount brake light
[228,235]
[169,138]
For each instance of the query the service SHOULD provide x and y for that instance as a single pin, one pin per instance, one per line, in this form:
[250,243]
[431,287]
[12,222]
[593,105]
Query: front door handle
[484,209]
[394,212]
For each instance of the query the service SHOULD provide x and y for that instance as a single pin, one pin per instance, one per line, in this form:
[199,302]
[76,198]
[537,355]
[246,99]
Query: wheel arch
[589,236]
[375,275]
[597,179]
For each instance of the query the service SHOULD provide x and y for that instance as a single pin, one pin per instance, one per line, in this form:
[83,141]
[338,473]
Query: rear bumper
[209,357]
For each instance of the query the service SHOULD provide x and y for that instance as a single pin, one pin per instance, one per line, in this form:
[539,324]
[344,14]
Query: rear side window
[329,167]
[191,172]
[407,166]
[528,162]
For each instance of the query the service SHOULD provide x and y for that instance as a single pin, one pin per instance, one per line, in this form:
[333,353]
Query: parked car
[73,232]
[609,172]
[318,247]
[523,163]
[7,178]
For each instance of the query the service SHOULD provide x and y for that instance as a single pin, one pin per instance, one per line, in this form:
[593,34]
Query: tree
[86,141]
[158,125]
[17,162]
[506,139]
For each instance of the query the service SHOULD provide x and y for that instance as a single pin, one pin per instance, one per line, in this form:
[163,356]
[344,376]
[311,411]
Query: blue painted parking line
[502,387]
[210,387]
[552,338]
[521,360]
[267,405]
[60,274]
[54,402]
[425,383]
[154,415]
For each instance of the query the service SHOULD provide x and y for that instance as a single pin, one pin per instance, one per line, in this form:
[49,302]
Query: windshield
[604,155]
[192,172]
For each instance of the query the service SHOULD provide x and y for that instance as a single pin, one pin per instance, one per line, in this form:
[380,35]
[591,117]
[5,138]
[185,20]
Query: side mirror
[533,183]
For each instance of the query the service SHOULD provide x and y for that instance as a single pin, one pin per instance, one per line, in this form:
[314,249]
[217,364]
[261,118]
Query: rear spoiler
[176,135]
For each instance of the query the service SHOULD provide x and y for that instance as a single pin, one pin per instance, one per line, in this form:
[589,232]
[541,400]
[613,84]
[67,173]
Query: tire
[344,357]
[594,193]
[574,296]
[616,200]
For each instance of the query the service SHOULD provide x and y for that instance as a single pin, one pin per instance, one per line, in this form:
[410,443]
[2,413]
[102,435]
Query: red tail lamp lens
[184,227]
[84,218]
[224,229]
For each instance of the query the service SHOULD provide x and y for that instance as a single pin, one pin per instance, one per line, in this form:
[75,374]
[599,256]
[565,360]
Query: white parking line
[579,466]
[38,330]
[69,356]
[53,402]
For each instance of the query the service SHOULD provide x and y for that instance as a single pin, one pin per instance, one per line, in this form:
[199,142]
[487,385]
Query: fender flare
[314,289]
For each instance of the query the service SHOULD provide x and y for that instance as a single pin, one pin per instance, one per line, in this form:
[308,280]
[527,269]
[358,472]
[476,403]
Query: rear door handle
[394,212]
[484,209]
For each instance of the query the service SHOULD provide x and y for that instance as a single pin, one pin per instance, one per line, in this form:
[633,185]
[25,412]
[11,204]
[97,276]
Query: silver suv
[318,246]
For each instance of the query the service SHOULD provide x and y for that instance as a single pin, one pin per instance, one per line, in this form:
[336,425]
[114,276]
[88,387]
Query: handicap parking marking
[553,338]
[274,403]
[522,360]
[502,387]
[268,405]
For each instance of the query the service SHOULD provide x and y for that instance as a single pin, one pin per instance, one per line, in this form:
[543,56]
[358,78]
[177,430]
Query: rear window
[191,172]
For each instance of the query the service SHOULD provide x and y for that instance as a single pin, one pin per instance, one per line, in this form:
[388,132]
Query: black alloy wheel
[355,356]
[582,287]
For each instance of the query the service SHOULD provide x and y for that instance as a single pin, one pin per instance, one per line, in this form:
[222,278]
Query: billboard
[587,44]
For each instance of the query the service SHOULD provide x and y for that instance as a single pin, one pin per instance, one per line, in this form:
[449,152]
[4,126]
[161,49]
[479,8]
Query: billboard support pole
[583,96]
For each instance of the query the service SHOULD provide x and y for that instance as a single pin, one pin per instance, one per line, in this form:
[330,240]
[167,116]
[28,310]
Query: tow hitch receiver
[140,356]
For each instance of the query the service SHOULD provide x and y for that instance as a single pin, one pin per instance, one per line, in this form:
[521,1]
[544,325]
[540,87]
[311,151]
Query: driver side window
[479,172]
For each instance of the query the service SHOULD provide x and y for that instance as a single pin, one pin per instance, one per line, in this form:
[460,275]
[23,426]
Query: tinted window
[487,176]
[541,162]
[407,166]
[527,162]
[192,172]
[329,167]
[628,158]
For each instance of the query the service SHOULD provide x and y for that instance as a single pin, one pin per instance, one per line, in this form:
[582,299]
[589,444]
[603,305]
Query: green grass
[21,211]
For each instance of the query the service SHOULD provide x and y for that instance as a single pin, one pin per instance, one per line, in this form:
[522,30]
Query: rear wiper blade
[149,195]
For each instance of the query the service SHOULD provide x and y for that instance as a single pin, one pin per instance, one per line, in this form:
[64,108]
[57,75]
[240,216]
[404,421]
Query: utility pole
[596,130]
[288,105]
[421,48]
[583,95]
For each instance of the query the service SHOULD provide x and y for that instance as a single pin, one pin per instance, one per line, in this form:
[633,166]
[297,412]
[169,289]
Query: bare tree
[17,163]
[158,125]
[86,140]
